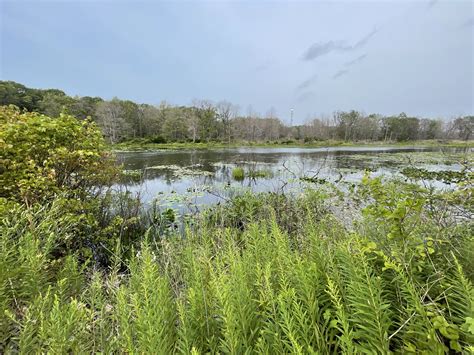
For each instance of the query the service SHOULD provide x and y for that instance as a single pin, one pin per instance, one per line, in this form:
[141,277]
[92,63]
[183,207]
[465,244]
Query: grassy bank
[138,145]
[261,274]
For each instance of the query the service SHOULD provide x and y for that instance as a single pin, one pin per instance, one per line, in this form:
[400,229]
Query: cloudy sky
[314,56]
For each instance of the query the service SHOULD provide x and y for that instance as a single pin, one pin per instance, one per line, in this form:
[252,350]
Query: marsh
[205,175]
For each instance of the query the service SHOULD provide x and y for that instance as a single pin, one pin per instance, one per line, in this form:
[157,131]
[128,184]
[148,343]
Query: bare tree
[226,111]
[193,123]
[274,124]
[110,119]
[464,126]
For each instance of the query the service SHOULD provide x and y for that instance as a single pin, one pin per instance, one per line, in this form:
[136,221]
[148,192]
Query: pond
[205,176]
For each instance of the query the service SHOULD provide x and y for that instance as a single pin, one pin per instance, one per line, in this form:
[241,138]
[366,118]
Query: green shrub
[157,140]
[42,156]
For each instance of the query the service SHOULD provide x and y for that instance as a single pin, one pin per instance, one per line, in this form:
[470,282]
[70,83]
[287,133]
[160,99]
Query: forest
[205,121]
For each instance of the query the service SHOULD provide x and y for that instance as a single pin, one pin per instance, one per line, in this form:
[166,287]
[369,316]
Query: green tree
[55,102]
[207,118]
[430,129]
[401,127]
[175,126]
[347,123]
[84,107]
[12,93]
[132,117]
[150,123]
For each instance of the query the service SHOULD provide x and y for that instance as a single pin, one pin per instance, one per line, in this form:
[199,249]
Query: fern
[341,319]
[459,299]
[369,310]
[151,305]
[415,330]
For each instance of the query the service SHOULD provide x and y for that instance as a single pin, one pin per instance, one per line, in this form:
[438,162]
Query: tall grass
[257,282]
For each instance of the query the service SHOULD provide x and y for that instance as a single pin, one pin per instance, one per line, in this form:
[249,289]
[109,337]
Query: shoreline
[132,146]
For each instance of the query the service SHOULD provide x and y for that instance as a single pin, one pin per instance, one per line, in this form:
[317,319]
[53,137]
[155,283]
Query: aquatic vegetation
[145,145]
[238,173]
[180,170]
[444,176]
[132,176]
[259,174]
[313,179]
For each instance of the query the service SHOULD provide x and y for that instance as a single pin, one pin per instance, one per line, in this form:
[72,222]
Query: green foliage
[146,310]
[12,93]
[30,264]
[204,121]
[263,286]
[259,174]
[401,127]
[447,176]
[42,156]
[313,179]
[157,139]
[238,174]
[54,102]
[262,273]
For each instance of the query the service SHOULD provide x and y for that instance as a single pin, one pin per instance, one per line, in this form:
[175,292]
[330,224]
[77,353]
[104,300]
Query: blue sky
[317,57]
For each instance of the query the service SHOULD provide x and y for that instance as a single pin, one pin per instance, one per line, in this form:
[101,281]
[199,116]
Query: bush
[157,140]
[136,141]
[42,156]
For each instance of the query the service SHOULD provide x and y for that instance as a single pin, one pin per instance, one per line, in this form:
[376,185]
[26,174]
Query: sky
[315,57]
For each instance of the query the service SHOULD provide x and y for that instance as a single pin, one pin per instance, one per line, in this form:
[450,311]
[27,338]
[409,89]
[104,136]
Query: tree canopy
[204,121]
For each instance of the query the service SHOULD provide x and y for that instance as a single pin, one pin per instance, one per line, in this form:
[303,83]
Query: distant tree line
[204,121]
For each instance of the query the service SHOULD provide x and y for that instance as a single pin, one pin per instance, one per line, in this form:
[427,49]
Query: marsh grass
[262,274]
[238,174]
[260,174]
[144,144]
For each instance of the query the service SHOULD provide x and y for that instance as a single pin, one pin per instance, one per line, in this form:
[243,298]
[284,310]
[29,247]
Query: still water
[205,176]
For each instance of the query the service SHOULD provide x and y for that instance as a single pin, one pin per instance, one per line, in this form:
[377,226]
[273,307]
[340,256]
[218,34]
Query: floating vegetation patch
[181,170]
[313,179]
[131,176]
[255,174]
[398,158]
[448,177]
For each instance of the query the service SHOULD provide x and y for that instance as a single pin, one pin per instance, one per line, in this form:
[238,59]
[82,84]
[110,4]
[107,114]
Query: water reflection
[207,174]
